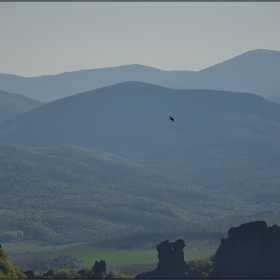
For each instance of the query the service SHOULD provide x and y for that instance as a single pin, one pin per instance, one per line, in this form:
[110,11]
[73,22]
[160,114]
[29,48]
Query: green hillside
[7,269]
[205,236]
[69,194]
[12,104]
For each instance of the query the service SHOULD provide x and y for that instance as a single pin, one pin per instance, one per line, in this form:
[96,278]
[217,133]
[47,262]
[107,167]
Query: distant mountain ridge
[255,71]
[12,104]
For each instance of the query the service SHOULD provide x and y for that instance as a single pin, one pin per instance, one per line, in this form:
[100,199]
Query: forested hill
[12,104]
[225,141]
[68,194]
[255,71]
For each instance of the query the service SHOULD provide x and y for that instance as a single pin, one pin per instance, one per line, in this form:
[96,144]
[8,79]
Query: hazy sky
[42,38]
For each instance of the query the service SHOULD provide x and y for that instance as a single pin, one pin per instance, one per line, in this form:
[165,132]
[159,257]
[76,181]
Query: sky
[47,38]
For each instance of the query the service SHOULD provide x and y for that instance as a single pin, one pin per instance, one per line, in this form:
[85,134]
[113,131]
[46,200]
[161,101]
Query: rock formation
[99,268]
[97,271]
[251,250]
[29,274]
[83,273]
[48,274]
[171,262]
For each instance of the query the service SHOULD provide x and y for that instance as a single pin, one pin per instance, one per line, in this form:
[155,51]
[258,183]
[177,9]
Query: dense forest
[7,269]
[50,194]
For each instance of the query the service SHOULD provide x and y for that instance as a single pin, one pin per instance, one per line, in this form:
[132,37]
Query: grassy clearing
[131,257]
[197,254]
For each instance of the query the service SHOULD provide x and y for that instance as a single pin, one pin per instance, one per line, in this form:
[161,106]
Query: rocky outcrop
[251,250]
[83,273]
[171,262]
[29,274]
[99,269]
[48,274]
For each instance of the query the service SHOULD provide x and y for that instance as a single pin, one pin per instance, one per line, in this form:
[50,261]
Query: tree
[65,273]
[203,265]
[7,269]
[114,274]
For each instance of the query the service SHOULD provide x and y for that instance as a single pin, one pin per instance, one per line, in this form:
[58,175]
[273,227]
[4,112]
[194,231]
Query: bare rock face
[251,250]
[171,261]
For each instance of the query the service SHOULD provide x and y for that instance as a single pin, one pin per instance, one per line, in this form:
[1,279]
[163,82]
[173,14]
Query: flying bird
[171,118]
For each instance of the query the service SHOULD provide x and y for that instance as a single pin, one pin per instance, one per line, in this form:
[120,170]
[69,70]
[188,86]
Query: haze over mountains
[220,158]
[255,72]
[227,142]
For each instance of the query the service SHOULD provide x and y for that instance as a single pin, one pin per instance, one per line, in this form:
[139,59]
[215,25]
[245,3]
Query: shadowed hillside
[255,71]
[227,142]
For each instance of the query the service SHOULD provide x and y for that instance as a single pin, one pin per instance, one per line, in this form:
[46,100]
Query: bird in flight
[171,118]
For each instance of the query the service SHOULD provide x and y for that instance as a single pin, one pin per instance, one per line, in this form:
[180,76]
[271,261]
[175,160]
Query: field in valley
[130,262]
[131,257]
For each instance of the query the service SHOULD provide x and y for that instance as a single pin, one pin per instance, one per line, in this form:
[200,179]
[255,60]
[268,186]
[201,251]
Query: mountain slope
[274,98]
[255,71]
[67,194]
[227,142]
[12,104]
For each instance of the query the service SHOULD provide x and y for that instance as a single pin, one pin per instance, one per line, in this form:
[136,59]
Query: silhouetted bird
[171,118]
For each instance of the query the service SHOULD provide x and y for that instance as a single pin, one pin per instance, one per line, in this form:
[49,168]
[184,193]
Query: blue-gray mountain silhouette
[255,72]
[219,132]
[12,104]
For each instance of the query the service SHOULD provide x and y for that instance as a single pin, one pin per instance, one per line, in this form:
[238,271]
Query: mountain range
[103,155]
[255,71]
[227,142]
